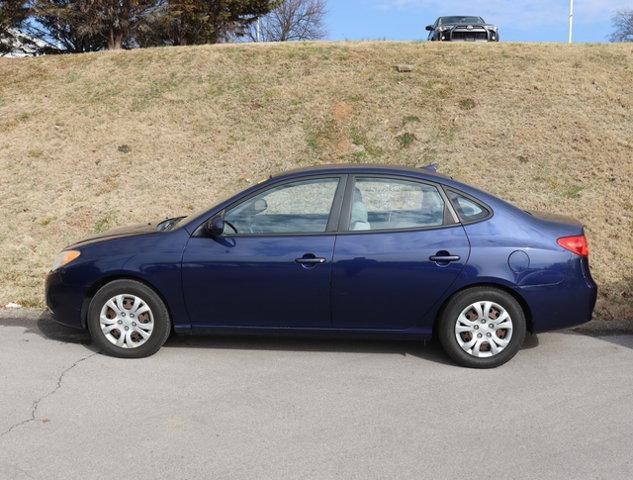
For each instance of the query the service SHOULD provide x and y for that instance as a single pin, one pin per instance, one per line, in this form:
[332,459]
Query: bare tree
[12,14]
[291,20]
[623,24]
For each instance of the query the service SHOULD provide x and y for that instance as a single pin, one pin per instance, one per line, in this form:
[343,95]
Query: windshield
[460,20]
[185,220]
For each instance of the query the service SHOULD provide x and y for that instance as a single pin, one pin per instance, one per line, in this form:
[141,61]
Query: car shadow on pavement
[45,327]
[52,330]
[429,350]
[622,338]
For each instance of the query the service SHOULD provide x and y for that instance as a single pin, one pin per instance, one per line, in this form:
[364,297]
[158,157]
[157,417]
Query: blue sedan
[336,250]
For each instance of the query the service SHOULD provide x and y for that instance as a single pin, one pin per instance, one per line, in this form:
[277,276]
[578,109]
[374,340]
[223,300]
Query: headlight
[65,258]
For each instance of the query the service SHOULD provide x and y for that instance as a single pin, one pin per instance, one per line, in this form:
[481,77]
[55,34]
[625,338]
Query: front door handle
[310,259]
[444,258]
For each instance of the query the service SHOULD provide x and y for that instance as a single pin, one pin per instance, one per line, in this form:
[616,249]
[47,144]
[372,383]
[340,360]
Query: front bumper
[466,35]
[64,300]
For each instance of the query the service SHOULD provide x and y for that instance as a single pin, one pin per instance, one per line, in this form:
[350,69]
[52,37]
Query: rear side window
[467,209]
[388,204]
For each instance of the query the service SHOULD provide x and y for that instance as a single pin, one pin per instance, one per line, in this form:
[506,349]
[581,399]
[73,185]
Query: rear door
[400,248]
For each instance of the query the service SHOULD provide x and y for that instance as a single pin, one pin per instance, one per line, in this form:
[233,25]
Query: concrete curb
[22,313]
[599,328]
[603,328]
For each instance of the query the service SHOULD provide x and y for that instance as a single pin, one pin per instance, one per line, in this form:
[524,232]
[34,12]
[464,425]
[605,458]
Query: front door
[401,251]
[272,265]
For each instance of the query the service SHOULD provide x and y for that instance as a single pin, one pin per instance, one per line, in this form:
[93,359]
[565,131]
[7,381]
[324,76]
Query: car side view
[335,250]
[462,29]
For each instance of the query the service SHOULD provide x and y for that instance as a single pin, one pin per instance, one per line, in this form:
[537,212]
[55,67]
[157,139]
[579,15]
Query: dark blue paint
[255,281]
[372,282]
[386,280]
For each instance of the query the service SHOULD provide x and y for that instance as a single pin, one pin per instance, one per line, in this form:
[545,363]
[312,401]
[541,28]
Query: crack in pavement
[21,470]
[37,402]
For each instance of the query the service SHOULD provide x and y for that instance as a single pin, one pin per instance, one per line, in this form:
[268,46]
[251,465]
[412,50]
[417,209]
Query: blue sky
[519,20]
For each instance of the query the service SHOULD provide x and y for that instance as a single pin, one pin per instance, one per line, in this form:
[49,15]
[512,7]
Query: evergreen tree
[188,22]
[88,25]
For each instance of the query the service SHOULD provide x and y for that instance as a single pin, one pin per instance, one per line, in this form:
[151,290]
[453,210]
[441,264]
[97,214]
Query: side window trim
[337,204]
[450,216]
[490,212]
[333,216]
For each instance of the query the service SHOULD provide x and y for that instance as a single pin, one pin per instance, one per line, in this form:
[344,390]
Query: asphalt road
[209,408]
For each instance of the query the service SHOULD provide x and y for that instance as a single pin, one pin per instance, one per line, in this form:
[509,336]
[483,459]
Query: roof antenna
[433,167]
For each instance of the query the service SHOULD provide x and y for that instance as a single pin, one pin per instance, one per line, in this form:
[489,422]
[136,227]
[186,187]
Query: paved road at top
[209,408]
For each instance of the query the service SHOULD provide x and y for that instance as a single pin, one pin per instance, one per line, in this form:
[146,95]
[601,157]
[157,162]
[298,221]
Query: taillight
[577,244]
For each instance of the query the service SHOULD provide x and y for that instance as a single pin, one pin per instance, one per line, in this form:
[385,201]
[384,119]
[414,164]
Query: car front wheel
[128,319]
[482,327]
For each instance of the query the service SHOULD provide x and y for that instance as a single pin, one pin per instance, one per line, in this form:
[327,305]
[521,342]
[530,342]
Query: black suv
[462,29]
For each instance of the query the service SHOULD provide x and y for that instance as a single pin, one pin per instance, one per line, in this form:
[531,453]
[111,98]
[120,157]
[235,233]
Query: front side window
[299,207]
[386,204]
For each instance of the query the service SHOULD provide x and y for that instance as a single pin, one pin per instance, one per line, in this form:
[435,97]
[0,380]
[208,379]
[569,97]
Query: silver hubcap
[483,329]
[126,321]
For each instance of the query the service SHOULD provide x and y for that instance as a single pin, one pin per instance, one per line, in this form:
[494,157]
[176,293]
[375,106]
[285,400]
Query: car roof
[460,16]
[425,171]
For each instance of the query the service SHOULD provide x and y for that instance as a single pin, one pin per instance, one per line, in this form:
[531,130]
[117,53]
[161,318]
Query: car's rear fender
[492,283]
[517,253]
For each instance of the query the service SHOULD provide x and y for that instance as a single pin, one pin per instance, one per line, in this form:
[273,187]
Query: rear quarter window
[468,210]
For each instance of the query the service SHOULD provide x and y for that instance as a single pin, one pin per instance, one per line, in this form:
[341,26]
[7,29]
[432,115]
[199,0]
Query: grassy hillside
[89,142]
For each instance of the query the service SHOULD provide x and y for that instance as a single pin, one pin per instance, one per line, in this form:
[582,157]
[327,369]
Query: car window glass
[384,204]
[299,207]
[467,210]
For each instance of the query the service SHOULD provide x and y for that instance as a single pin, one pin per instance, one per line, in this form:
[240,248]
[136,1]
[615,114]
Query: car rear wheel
[482,327]
[128,319]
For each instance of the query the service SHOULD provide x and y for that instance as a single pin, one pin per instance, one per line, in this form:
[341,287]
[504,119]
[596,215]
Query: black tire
[162,323]
[448,319]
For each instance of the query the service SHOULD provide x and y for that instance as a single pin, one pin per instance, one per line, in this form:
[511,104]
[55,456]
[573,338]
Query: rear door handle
[310,260]
[444,258]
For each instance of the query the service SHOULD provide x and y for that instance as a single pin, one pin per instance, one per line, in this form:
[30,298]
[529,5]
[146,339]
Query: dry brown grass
[88,142]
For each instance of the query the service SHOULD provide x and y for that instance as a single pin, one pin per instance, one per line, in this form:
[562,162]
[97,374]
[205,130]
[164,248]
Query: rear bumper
[563,305]
[64,300]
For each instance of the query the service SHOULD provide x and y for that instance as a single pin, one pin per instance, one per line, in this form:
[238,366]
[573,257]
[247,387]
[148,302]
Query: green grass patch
[405,140]
[573,191]
[104,223]
[360,139]
[312,141]
[467,104]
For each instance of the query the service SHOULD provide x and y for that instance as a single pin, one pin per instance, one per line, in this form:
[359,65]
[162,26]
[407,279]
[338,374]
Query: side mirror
[215,226]
[429,28]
